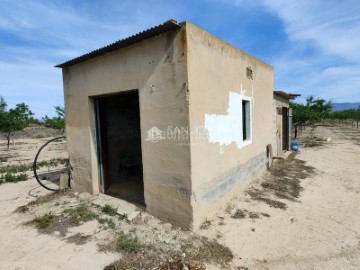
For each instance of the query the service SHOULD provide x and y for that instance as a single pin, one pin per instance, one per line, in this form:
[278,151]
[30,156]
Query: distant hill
[345,106]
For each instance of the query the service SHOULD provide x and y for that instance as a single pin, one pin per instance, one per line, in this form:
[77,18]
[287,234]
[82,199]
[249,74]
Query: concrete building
[282,122]
[172,118]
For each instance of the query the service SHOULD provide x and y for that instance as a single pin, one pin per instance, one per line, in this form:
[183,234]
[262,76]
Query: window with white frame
[246,120]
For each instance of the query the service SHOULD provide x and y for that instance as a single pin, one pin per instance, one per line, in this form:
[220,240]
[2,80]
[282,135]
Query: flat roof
[149,33]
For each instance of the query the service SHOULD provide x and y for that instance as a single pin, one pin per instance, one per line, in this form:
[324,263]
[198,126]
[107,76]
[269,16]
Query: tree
[318,109]
[57,122]
[343,116]
[313,111]
[13,119]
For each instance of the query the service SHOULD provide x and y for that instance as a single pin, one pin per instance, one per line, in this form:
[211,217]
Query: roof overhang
[285,95]
[123,43]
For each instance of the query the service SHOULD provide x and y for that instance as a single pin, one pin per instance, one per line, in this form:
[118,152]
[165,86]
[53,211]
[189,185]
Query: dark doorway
[119,146]
[285,128]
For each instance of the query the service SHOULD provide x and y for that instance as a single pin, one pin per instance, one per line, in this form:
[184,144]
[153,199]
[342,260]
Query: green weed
[11,178]
[15,168]
[128,244]
[109,210]
[122,216]
[106,223]
[80,214]
[43,222]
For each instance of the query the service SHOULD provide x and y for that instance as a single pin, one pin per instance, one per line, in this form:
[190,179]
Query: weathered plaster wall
[157,68]
[188,81]
[217,84]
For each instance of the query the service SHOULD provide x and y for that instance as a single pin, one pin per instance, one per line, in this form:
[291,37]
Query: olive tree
[313,111]
[14,119]
[57,122]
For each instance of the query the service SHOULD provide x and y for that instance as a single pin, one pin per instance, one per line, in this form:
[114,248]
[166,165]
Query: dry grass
[42,222]
[191,256]
[78,239]
[127,243]
[205,225]
[283,182]
[79,214]
[239,214]
[41,200]
[50,197]
[150,261]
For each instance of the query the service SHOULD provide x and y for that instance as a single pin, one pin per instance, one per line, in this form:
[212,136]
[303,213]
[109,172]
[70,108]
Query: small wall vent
[249,73]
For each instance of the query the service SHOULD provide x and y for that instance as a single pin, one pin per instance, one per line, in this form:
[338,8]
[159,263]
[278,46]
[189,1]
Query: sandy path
[321,231]
[24,248]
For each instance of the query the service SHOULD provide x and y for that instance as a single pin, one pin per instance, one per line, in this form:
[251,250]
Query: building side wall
[156,67]
[278,102]
[223,163]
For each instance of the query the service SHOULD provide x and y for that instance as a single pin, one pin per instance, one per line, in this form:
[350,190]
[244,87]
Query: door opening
[118,137]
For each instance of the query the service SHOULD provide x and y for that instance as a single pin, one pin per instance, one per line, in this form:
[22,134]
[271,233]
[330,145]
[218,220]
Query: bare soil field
[303,214]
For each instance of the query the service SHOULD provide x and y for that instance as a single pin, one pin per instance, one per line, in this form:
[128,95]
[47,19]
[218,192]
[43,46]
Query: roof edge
[123,43]
[286,95]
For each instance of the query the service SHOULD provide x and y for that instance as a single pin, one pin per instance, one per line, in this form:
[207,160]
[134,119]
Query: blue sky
[314,46]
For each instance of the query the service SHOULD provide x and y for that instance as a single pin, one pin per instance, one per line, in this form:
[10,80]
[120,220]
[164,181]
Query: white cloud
[334,26]
[41,34]
[331,30]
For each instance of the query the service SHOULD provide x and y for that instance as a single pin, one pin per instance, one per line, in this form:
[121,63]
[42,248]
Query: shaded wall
[157,68]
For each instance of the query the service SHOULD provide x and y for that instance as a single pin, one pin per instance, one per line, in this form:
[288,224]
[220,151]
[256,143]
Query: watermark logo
[155,134]
[177,134]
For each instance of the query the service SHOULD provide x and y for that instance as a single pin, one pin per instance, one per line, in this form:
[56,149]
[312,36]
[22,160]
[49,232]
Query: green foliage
[313,111]
[15,168]
[3,105]
[109,210]
[346,115]
[106,223]
[13,119]
[44,163]
[35,121]
[11,178]
[122,216]
[128,244]
[44,221]
[80,214]
[57,122]
[54,162]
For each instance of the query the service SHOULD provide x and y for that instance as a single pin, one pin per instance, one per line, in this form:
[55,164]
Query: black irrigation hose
[35,163]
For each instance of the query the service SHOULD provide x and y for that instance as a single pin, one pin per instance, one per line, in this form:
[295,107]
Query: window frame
[246,120]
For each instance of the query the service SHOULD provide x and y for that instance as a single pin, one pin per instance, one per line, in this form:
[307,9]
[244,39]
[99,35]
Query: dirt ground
[304,214]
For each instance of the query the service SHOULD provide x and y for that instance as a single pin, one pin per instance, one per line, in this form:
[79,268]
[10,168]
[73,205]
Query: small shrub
[122,216]
[80,214]
[43,222]
[106,223]
[128,244]
[109,210]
